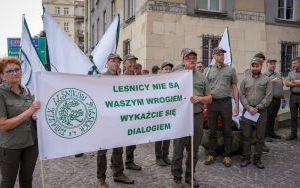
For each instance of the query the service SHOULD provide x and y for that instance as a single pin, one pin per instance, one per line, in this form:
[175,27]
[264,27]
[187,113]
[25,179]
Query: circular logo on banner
[70,113]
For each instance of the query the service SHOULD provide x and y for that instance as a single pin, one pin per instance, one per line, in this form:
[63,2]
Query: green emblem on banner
[70,113]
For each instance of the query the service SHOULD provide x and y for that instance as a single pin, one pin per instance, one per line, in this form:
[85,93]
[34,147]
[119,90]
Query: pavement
[282,170]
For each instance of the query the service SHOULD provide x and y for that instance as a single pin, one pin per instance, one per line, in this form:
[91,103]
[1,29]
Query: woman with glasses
[18,145]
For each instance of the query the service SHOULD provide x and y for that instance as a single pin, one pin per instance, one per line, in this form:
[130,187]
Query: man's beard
[256,72]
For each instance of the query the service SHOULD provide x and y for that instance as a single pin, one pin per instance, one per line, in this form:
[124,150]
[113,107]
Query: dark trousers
[14,161]
[116,162]
[130,154]
[295,109]
[272,112]
[185,143]
[162,149]
[222,107]
[247,127]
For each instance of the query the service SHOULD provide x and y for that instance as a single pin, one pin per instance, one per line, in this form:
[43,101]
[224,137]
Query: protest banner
[88,113]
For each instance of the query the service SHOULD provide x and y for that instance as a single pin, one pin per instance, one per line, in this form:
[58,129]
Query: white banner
[87,113]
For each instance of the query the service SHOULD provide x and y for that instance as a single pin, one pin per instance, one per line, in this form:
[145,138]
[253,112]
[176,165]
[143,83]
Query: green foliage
[67,113]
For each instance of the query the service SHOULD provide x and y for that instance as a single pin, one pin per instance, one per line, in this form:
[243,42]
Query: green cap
[129,56]
[138,65]
[271,60]
[113,55]
[256,60]
[218,50]
[166,63]
[187,51]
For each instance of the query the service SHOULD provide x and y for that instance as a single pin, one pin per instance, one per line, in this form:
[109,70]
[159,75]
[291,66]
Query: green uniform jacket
[12,105]
[108,72]
[277,87]
[128,73]
[256,92]
[200,88]
[293,75]
[220,80]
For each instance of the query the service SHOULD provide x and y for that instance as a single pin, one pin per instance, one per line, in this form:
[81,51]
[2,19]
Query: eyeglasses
[13,71]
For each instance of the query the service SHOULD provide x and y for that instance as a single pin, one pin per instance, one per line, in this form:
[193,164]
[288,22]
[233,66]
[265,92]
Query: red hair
[8,60]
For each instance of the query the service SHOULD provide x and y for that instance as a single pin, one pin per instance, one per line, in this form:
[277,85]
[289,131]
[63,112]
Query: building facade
[70,15]
[157,30]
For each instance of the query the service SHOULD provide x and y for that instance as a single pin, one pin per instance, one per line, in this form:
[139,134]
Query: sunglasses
[13,71]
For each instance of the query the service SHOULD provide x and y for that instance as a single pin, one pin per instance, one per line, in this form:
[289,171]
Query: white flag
[107,44]
[225,44]
[30,60]
[65,55]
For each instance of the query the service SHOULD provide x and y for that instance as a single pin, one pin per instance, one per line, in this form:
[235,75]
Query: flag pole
[42,173]
[229,46]
[192,161]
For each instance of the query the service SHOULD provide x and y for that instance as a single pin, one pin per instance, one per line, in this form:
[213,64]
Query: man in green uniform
[155,69]
[162,147]
[201,95]
[256,95]
[248,72]
[273,108]
[130,66]
[113,62]
[222,80]
[138,69]
[293,82]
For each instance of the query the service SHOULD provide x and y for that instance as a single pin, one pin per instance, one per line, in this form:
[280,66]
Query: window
[289,50]
[66,26]
[129,9]
[211,5]
[98,28]
[104,21]
[209,42]
[92,37]
[92,5]
[285,9]
[66,11]
[113,10]
[86,41]
[57,10]
[126,47]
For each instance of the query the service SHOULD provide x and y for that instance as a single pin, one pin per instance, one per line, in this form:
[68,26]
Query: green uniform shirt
[277,87]
[128,73]
[12,105]
[108,72]
[293,75]
[178,67]
[256,92]
[220,80]
[200,88]
[247,72]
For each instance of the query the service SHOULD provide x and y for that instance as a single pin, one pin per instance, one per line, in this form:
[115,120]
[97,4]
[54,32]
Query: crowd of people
[215,86]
